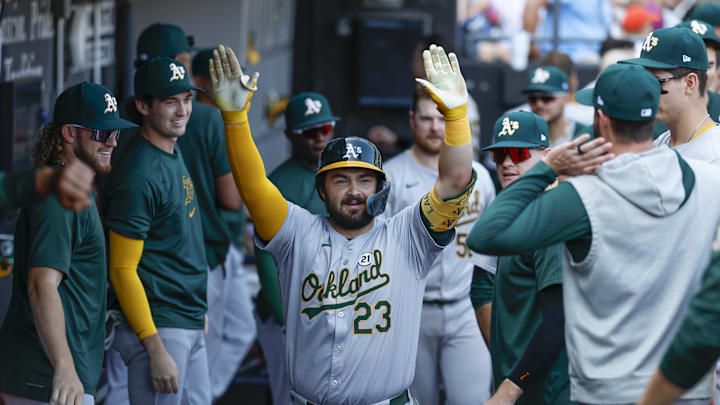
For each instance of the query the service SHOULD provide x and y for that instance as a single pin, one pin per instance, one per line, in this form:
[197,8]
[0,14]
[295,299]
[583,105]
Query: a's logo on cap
[698,27]
[178,72]
[508,127]
[686,58]
[352,152]
[646,112]
[111,103]
[650,42]
[312,106]
[540,75]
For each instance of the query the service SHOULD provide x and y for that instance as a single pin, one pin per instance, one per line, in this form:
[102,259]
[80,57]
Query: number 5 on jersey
[364,312]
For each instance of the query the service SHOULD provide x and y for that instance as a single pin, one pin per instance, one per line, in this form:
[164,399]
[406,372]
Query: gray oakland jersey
[352,307]
[451,274]
[705,147]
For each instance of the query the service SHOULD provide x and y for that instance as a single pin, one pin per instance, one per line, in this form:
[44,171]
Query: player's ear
[68,133]
[320,186]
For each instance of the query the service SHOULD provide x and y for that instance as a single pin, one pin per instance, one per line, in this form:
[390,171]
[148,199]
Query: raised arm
[232,91]
[447,88]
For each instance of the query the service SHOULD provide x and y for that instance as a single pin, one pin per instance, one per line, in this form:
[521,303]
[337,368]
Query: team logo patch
[312,106]
[189,190]
[650,42]
[698,27]
[111,103]
[508,127]
[352,152]
[540,76]
[365,259]
[178,72]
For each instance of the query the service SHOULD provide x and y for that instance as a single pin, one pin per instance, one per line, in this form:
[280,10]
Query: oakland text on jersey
[363,284]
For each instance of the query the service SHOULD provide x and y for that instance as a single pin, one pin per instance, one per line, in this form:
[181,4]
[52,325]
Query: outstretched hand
[232,89]
[445,83]
[577,157]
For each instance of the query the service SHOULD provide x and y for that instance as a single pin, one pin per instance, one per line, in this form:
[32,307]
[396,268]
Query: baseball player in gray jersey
[351,283]
[451,349]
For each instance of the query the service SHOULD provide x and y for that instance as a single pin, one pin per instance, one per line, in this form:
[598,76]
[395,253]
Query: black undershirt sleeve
[546,343]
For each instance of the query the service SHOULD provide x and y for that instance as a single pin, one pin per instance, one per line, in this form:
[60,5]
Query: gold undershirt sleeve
[266,204]
[125,254]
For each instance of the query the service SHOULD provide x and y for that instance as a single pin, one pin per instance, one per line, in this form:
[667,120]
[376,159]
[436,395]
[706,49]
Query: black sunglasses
[545,98]
[667,79]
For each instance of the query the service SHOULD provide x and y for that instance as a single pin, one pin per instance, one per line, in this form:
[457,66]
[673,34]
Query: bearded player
[352,284]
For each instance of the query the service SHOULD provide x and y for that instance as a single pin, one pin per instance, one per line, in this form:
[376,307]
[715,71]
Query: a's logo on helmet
[698,27]
[650,42]
[352,152]
[540,76]
[508,127]
[178,72]
[312,106]
[111,103]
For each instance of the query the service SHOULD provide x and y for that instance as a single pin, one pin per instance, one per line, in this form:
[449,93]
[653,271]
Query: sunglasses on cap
[100,135]
[517,155]
[546,98]
[324,129]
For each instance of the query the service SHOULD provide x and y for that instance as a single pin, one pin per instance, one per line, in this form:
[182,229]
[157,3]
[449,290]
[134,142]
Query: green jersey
[714,106]
[151,197]
[516,315]
[297,185]
[47,235]
[205,155]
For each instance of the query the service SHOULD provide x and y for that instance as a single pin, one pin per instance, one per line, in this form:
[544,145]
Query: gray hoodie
[653,218]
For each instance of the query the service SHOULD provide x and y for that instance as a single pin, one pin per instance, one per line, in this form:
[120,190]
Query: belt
[401,399]
[441,302]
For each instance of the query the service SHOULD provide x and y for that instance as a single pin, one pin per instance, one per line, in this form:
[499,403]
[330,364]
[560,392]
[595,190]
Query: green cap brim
[512,144]
[316,121]
[171,91]
[649,63]
[585,96]
[542,88]
[118,123]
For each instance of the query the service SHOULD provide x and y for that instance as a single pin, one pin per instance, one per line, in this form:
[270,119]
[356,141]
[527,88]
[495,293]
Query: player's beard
[346,220]
[92,161]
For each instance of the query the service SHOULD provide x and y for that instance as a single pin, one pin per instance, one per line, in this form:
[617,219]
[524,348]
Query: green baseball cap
[162,40]
[89,105]
[520,129]
[547,79]
[306,110]
[705,30]
[709,12]
[201,64]
[671,48]
[624,91]
[162,77]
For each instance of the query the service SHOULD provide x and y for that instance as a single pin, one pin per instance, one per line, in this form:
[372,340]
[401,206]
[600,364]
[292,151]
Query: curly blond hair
[48,146]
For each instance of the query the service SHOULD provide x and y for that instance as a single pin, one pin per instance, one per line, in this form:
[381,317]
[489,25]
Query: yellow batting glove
[445,83]
[232,89]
